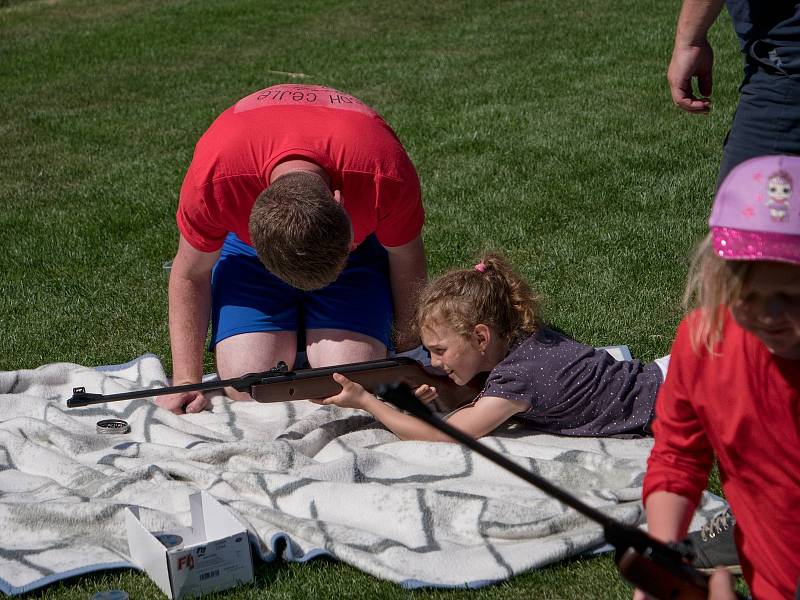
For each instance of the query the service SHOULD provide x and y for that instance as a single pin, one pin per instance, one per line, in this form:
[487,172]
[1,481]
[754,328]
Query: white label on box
[211,567]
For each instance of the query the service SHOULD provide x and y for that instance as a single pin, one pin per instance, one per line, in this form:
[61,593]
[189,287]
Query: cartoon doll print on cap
[779,190]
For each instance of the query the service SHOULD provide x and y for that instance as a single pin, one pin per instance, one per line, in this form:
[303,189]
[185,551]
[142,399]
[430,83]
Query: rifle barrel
[80,397]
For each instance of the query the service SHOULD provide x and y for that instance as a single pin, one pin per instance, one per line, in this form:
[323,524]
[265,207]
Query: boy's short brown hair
[300,233]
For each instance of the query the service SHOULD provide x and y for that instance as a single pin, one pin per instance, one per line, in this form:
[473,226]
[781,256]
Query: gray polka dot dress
[575,389]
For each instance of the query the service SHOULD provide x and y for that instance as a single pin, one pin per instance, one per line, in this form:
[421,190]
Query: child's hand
[426,393]
[720,587]
[353,395]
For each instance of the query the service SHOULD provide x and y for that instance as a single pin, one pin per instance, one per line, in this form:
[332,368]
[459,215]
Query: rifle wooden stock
[282,385]
[319,383]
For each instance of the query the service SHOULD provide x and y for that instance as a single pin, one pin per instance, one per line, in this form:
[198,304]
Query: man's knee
[327,347]
[253,353]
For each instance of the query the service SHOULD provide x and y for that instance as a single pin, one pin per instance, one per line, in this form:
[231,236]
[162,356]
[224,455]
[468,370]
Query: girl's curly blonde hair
[491,293]
[713,285]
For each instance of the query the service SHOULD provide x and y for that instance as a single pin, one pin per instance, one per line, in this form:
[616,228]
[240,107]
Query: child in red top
[733,389]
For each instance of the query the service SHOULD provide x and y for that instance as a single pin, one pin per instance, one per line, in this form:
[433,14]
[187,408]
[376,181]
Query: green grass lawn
[543,129]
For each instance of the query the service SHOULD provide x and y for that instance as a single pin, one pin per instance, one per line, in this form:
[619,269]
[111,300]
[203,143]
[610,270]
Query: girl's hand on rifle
[426,393]
[353,395]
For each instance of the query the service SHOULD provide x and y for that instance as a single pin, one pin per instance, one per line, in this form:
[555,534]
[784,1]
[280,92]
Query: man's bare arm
[692,56]
[408,272]
[189,310]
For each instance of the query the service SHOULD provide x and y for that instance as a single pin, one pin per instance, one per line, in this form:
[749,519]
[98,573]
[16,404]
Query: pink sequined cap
[756,214]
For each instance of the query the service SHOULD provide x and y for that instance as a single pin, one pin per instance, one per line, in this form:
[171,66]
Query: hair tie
[480,267]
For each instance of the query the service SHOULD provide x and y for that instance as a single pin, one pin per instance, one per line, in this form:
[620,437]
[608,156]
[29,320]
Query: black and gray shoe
[714,546]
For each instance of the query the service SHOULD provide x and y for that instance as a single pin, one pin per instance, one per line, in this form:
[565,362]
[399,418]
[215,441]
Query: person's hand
[353,395]
[689,62]
[426,393]
[186,402]
[640,595]
[720,587]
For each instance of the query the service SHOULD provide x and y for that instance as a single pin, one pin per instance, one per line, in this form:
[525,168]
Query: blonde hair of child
[491,293]
[713,285]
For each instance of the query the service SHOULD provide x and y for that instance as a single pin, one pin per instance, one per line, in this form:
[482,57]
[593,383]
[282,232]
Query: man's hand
[186,402]
[720,587]
[689,62]
[692,56]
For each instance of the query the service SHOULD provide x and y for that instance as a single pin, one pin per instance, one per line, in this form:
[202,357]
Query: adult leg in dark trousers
[767,119]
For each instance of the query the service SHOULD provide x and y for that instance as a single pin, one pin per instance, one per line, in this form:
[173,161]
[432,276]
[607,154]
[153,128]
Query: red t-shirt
[744,406]
[233,160]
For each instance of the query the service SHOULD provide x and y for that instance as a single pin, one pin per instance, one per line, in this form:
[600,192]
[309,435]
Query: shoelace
[717,525]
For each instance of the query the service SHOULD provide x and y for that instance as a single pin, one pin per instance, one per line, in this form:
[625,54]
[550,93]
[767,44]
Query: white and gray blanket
[324,480]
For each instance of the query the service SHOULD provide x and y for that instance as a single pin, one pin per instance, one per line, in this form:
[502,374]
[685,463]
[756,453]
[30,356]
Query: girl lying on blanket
[486,319]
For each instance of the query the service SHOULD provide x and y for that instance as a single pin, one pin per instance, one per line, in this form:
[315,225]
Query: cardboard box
[211,555]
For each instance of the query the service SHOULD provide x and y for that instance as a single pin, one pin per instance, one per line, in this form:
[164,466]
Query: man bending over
[300,221]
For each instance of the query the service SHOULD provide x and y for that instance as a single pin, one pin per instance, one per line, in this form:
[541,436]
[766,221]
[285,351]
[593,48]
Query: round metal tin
[113,426]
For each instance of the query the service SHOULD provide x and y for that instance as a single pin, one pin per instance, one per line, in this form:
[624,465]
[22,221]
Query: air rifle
[661,570]
[282,385]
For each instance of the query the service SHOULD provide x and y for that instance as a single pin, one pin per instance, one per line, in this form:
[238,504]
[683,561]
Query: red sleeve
[196,219]
[400,212]
[682,457]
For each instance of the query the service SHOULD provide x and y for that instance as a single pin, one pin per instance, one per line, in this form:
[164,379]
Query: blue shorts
[247,298]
